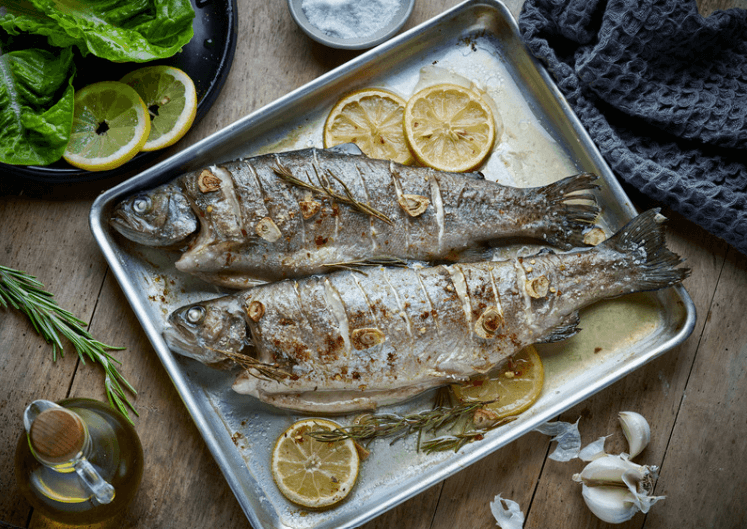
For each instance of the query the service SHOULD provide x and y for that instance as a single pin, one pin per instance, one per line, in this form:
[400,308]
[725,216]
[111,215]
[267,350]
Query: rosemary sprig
[356,265]
[370,427]
[326,189]
[25,293]
[263,370]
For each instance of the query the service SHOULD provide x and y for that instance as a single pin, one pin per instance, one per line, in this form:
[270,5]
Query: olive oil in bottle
[79,461]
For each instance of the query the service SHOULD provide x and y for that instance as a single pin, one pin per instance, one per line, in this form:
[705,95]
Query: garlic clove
[636,431]
[610,504]
[609,470]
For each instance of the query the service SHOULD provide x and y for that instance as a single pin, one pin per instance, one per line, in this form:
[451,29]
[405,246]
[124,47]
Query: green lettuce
[36,105]
[117,30]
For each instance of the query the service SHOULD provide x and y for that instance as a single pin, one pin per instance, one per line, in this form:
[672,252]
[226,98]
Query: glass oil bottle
[79,461]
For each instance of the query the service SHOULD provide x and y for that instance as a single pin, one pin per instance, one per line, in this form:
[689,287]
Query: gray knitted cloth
[663,94]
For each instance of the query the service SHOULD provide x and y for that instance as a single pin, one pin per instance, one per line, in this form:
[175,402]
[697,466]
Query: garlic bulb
[615,488]
[636,431]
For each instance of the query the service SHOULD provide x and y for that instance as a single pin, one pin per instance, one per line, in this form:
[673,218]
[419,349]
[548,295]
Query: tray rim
[166,167]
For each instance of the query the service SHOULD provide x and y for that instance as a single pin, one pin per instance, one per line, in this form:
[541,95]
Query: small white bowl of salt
[351,24]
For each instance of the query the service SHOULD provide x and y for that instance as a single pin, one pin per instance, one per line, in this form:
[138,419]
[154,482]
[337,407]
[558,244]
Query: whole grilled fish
[348,341]
[299,213]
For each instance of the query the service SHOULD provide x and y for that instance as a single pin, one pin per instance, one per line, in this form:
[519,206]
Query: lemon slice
[310,472]
[372,119]
[171,98]
[110,126]
[515,385]
[449,127]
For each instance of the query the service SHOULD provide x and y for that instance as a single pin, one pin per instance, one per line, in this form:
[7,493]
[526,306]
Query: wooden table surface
[694,396]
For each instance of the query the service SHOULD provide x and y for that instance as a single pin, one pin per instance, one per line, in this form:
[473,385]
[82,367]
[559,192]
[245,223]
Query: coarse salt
[350,19]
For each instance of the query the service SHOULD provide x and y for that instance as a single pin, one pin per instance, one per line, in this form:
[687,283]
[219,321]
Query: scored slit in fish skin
[305,212]
[347,341]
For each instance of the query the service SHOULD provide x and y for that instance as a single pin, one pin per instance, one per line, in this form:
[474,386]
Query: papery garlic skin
[508,517]
[609,503]
[636,431]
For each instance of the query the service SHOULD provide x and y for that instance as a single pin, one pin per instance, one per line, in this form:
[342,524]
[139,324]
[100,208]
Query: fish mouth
[181,341]
[129,226]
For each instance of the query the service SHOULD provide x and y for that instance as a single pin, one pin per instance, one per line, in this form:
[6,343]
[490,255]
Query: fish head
[211,332]
[157,217]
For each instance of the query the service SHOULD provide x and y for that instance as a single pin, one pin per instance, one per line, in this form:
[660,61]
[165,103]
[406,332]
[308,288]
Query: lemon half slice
[110,126]
[310,472]
[515,385]
[171,98]
[449,127]
[372,119]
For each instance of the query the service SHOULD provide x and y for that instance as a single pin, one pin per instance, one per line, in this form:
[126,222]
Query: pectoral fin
[563,331]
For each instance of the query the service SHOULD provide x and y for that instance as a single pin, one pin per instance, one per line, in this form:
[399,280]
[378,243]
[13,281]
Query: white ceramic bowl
[359,43]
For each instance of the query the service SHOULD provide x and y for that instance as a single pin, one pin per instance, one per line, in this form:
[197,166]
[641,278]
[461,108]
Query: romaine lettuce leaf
[36,105]
[117,30]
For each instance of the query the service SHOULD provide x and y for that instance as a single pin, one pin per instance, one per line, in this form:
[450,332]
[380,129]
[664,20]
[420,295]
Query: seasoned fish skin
[350,341]
[294,214]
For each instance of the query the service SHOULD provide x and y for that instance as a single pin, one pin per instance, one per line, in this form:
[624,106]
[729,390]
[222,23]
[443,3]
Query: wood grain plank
[704,473]
[49,240]
[655,391]
[182,485]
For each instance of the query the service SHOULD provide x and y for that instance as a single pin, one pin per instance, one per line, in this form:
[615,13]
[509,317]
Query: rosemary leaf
[397,426]
[27,294]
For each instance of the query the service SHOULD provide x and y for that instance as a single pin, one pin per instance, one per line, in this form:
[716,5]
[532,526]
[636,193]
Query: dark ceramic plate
[206,59]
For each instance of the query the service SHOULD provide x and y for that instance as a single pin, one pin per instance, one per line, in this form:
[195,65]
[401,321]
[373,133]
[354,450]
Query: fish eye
[195,314]
[141,205]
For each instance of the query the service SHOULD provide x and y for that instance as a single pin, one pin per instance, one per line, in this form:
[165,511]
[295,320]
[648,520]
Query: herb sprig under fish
[351,342]
[295,214]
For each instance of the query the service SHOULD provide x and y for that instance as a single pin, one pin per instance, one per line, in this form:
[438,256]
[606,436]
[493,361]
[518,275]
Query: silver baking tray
[541,141]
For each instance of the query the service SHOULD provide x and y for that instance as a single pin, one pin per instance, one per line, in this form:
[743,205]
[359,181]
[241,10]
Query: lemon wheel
[314,473]
[110,126]
[514,386]
[372,119]
[449,127]
[171,98]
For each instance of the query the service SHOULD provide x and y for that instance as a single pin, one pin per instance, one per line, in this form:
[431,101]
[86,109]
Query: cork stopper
[57,435]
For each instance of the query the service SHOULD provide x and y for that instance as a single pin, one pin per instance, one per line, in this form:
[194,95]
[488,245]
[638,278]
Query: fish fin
[651,264]
[346,148]
[472,254]
[476,175]
[569,219]
[565,330]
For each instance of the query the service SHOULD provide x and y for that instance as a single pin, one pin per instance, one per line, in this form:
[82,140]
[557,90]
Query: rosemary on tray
[25,293]
[442,416]
[325,188]
[357,265]
[254,367]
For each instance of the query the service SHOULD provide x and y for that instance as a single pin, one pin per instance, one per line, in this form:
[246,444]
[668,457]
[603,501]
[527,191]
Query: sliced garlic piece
[268,230]
[636,431]
[610,504]
[414,205]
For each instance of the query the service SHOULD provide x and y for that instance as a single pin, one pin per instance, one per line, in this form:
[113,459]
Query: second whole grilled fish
[347,341]
[305,212]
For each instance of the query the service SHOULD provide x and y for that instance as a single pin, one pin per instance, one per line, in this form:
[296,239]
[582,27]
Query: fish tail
[651,265]
[567,218]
